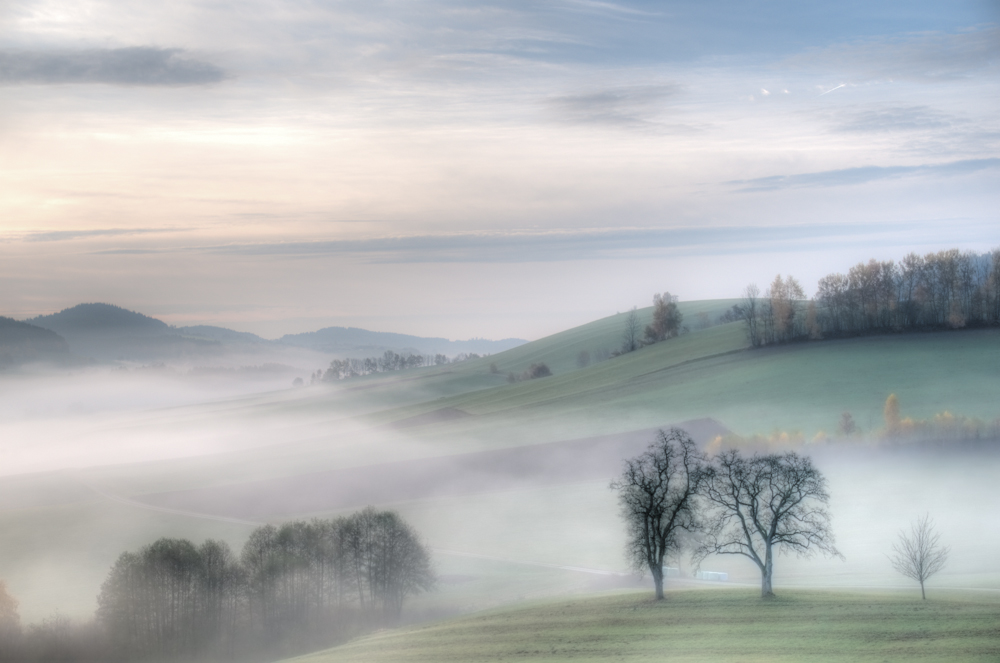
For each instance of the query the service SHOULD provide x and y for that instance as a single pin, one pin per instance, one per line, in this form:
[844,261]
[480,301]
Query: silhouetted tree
[657,492]
[764,504]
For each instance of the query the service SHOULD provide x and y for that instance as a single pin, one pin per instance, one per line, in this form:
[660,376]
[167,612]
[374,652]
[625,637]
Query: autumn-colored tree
[10,621]
[666,319]
[784,299]
[891,414]
[812,324]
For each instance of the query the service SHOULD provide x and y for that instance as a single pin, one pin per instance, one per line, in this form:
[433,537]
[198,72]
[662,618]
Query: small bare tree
[749,308]
[919,554]
[657,492]
[630,335]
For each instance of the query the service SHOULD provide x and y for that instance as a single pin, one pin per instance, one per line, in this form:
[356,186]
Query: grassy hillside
[700,625]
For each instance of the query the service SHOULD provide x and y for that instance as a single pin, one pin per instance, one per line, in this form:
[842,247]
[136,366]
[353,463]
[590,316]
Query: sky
[475,169]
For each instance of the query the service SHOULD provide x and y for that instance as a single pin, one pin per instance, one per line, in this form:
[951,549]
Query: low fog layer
[154,455]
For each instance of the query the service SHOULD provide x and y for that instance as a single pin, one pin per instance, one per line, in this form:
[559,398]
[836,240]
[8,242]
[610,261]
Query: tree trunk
[657,581]
[765,579]
[923,595]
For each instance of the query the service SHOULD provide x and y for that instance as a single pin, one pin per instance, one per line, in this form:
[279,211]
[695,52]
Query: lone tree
[657,492]
[666,319]
[749,309]
[919,555]
[764,505]
[630,334]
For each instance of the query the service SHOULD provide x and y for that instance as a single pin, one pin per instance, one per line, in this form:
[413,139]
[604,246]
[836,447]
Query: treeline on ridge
[341,369]
[944,290]
[293,588]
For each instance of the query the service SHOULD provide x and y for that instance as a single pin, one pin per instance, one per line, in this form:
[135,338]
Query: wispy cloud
[631,106]
[133,66]
[893,118]
[862,175]
[515,247]
[64,235]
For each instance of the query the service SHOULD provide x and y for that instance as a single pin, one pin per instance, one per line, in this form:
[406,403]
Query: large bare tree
[764,505]
[919,554]
[657,492]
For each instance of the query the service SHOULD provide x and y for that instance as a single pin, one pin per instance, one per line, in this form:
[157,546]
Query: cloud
[632,106]
[927,57]
[862,175]
[893,118]
[133,66]
[524,247]
[63,235]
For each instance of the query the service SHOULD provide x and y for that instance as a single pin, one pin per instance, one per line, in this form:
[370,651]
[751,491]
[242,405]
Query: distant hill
[108,332]
[22,343]
[361,342]
[93,319]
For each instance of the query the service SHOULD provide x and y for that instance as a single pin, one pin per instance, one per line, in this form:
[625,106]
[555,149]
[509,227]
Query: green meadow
[700,625]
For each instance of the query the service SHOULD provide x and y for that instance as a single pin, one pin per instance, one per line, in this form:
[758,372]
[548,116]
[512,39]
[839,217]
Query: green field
[60,536]
[701,625]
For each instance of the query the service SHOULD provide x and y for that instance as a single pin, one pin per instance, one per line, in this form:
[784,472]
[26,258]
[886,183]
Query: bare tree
[657,492]
[764,505]
[749,308]
[919,554]
[630,335]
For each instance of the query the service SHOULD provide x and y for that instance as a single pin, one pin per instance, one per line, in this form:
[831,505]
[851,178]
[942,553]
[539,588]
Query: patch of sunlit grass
[700,625]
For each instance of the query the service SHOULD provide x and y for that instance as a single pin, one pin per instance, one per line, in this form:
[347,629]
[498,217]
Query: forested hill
[21,342]
[108,332]
[343,340]
[92,319]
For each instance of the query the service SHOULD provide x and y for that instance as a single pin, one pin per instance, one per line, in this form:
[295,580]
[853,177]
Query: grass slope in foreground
[701,625]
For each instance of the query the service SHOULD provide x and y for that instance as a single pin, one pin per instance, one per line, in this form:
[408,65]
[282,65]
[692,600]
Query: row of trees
[296,587]
[948,289]
[673,496]
[341,369]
